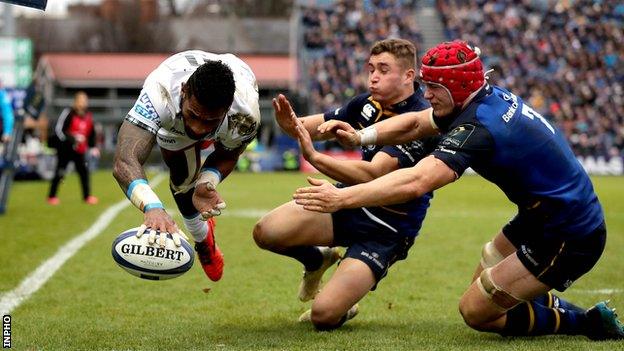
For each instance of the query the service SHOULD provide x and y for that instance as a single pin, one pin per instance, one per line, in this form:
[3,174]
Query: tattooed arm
[134,145]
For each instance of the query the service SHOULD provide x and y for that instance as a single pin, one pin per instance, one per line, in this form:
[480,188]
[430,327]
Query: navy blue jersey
[513,146]
[361,112]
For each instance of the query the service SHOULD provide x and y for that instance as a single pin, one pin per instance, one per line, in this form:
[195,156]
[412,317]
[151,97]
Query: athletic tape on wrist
[142,196]
[209,176]
[368,136]
[433,123]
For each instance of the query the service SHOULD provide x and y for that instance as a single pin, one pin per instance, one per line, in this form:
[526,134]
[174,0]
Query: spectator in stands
[566,54]
[76,135]
[336,41]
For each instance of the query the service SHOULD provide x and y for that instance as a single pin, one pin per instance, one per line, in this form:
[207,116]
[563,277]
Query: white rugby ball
[152,262]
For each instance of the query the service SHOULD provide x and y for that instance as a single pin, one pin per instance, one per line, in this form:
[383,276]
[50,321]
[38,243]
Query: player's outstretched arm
[344,171]
[134,145]
[217,166]
[399,186]
[398,130]
[284,115]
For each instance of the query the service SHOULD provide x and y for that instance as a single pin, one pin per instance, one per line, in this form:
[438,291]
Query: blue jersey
[513,146]
[361,112]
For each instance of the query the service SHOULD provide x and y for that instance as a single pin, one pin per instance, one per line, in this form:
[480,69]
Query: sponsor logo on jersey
[176,131]
[173,128]
[164,140]
[373,257]
[527,253]
[368,111]
[242,125]
[145,108]
[414,150]
[443,149]
[511,111]
[458,136]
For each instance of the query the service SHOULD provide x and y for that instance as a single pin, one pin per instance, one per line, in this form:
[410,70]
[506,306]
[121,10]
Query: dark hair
[212,84]
[403,50]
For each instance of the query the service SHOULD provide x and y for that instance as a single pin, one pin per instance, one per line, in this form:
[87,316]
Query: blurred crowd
[337,40]
[565,57]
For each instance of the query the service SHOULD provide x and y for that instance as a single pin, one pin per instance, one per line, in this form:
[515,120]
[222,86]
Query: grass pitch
[90,303]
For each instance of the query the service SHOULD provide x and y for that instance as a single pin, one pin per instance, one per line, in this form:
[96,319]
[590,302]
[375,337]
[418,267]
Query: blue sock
[533,318]
[553,301]
[310,256]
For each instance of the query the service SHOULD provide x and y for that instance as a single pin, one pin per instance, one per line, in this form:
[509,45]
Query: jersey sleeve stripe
[137,122]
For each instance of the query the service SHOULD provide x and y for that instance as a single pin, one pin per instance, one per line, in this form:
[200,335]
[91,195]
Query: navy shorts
[369,241]
[553,259]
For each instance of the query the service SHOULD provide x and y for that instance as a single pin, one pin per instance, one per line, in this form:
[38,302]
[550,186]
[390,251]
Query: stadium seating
[565,58]
[336,42]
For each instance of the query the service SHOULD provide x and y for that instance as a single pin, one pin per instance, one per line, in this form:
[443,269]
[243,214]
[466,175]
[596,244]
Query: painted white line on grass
[246,213]
[241,213]
[46,270]
[598,291]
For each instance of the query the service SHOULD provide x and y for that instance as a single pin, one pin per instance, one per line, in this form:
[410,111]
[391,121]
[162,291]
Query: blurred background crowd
[565,57]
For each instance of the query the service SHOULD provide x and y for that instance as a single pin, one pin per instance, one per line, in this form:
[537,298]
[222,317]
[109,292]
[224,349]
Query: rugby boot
[351,313]
[603,323]
[209,254]
[309,286]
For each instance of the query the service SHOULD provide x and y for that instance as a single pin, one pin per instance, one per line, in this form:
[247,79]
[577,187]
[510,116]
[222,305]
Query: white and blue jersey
[158,109]
[361,112]
[513,146]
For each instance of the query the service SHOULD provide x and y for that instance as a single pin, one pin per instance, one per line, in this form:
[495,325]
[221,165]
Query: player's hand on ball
[207,201]
[157,220]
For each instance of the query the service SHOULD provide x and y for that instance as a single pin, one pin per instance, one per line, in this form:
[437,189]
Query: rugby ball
[139,258]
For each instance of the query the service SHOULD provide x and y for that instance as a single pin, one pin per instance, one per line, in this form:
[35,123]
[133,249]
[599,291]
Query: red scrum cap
[456,66]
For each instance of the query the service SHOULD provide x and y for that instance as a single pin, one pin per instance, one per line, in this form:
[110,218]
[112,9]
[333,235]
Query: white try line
[598,291]
[46,270]
[254,213]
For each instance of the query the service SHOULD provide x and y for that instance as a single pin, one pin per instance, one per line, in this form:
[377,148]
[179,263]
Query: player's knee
[470,314]
[259,234]
[324,317]
[475,310]
[262,235]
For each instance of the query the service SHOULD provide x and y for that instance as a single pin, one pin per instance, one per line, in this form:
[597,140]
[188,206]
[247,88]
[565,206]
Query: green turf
[92,304]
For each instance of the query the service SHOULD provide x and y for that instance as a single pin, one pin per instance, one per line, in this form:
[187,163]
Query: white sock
[197,227]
